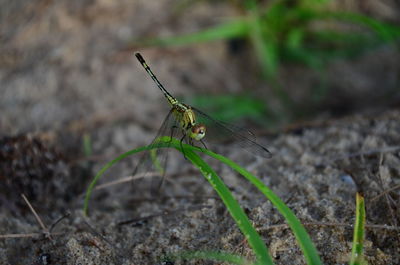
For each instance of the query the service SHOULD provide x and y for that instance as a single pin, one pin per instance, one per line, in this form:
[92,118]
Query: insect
[194,125]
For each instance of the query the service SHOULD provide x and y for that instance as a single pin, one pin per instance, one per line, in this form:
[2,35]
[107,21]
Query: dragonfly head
[197,132]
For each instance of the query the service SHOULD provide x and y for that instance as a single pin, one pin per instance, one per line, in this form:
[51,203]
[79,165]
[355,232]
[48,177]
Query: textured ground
[310,171]
[64,73]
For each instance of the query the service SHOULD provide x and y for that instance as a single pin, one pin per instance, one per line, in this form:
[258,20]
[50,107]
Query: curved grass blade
[244,224]
[233,206]
[310,253]
[308,248]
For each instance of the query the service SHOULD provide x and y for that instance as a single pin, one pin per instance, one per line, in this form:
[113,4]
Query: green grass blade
[233,206]
[266,49]
[244,224]
[156,162]
[310,253]
[228,30]
[237,213]
[359,232]
[308,248]
[87,145]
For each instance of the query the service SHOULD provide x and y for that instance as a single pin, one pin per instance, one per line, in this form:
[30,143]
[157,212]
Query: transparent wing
[155,160]
[218,131]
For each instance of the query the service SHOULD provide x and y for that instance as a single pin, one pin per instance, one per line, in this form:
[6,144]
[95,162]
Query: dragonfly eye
[198,132]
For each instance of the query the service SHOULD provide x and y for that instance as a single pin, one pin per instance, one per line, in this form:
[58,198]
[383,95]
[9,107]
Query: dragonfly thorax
[187,121]
[184,115]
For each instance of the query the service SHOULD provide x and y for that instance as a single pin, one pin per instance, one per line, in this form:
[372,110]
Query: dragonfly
[193,125]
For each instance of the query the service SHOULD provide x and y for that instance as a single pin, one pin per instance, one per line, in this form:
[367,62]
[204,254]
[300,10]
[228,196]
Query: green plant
[284,31]
[234,208]
[256,243]
[254,239]
[87,145]
[303,31]
[357,257]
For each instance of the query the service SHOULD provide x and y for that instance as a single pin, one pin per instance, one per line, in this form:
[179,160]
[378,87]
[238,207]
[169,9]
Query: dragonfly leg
[181,143]
[172,132]
[201,140]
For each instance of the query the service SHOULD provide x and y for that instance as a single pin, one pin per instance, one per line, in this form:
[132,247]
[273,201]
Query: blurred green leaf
[87,145]
[295,38]
[265,46]
[384,31]
[304,31]
[280,31]
[233,29]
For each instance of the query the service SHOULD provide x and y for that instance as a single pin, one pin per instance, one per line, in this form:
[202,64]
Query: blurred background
[69,66]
